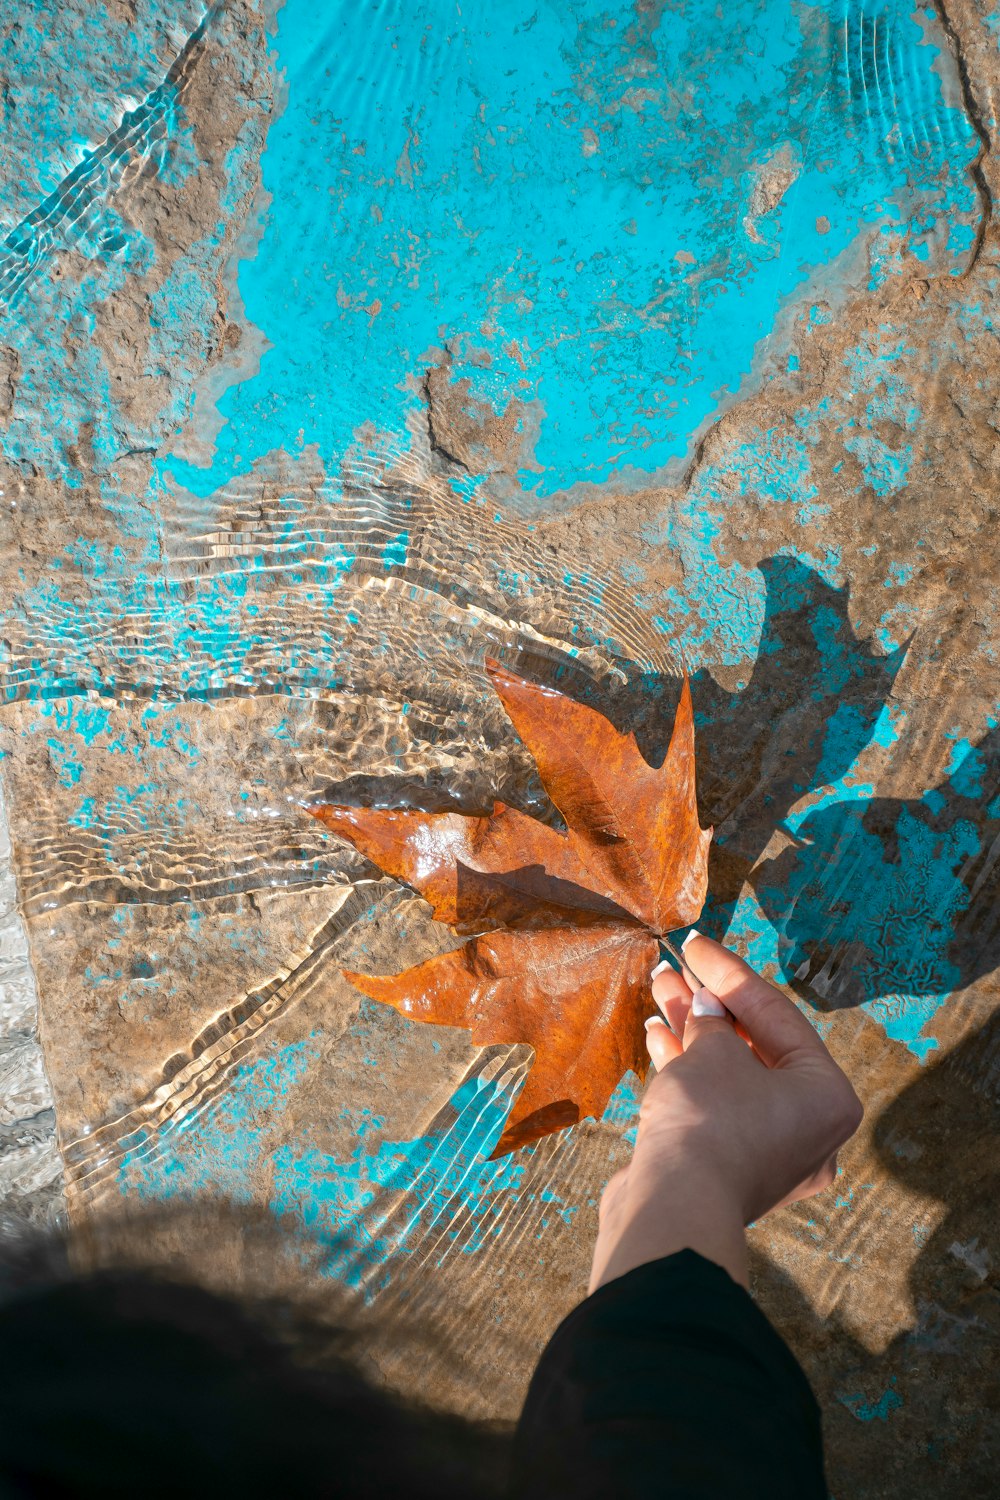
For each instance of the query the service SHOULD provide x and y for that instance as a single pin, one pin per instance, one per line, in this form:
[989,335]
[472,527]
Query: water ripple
[75,213]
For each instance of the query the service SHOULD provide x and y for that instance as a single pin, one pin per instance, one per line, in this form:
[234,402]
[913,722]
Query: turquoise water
[602,216]
[598,227]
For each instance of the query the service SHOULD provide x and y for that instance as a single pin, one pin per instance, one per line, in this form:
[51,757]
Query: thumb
[706,1015]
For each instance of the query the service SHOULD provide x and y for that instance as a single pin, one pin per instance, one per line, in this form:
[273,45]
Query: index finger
[772,1023]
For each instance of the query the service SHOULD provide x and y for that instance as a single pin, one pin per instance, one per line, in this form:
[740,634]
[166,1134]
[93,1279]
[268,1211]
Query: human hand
[746,1113]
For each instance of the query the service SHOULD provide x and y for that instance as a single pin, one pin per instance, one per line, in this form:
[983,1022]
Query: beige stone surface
[224,1100]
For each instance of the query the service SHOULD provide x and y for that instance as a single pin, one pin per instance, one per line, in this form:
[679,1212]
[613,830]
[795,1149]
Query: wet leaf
[567,922]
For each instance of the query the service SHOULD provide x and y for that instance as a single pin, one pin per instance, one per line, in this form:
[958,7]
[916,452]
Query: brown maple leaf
[579,913]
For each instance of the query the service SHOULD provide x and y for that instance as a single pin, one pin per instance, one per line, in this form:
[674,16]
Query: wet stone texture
[337,354]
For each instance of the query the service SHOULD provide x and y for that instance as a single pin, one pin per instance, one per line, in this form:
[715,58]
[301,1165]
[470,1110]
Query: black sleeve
[669,1382]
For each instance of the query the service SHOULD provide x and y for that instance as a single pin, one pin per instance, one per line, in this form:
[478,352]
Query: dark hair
[123,1383]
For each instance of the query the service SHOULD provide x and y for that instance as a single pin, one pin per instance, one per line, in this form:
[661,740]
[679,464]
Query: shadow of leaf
[892,899]
[808,709]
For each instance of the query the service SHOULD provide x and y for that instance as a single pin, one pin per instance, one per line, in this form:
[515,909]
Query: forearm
[664,1209]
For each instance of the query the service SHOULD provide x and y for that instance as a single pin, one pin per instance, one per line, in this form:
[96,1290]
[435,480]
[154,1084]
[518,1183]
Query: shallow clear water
[347,349]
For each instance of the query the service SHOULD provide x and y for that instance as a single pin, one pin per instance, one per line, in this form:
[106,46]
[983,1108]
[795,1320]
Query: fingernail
[661,967]
[652,1021]
[693,933]
[704,1003]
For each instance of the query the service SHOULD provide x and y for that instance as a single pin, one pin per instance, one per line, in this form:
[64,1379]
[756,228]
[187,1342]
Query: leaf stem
[678,957]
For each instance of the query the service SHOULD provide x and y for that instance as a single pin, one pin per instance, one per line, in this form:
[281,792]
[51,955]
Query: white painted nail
[654,1021]
[693,933]
[661,967]
[704,1003]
